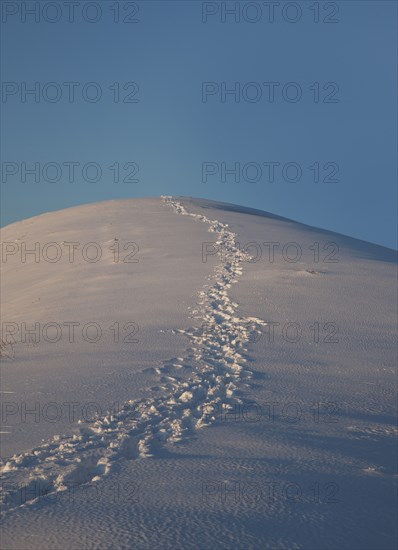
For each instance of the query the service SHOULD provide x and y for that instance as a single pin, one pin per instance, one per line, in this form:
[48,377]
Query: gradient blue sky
[170,132]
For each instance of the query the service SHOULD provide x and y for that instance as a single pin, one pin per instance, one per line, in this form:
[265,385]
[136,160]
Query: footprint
[214,361]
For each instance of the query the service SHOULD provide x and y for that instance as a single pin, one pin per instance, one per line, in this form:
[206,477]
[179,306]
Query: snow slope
[241,394]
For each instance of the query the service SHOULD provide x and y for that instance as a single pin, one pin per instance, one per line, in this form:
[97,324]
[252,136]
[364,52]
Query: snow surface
[209,433]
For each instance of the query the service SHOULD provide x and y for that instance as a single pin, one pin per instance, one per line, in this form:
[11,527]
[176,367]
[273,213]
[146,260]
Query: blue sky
[329,135]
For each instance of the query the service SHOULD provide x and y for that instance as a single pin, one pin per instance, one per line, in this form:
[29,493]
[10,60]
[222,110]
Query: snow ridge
[142,427]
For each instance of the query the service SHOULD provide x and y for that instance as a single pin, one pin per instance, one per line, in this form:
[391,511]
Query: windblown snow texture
[204,355]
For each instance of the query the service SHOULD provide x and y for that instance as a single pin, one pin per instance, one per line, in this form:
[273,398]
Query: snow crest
[142,428]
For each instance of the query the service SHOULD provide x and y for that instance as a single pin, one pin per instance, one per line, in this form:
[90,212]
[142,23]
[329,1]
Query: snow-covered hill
[181,373]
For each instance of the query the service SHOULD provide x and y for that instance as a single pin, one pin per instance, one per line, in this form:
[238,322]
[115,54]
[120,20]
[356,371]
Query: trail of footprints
[143,427]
